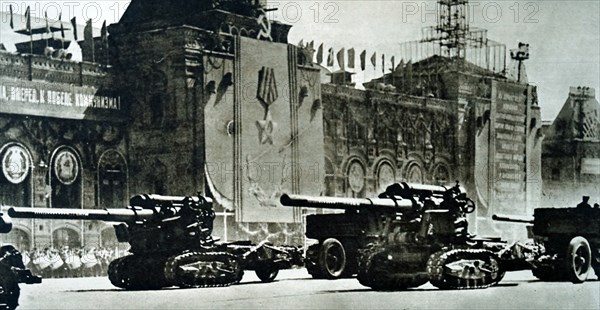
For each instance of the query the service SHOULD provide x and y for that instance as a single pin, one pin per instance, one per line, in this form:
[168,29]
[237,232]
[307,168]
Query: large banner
[275,131]
[54,100]
[510,122]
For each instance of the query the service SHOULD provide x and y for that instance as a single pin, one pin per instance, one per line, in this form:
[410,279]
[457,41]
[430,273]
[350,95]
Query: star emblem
[266,128]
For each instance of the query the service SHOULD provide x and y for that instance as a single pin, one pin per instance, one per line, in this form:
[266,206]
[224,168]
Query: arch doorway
[66,237]
[19,238]
[112,180]
[108,238]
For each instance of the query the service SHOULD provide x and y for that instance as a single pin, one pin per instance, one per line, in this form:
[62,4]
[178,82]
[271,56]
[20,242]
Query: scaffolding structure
[453,37]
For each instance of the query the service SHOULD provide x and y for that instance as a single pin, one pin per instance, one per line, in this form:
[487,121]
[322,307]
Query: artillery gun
[409,235]
[341,235]
[171,244]
[566,242]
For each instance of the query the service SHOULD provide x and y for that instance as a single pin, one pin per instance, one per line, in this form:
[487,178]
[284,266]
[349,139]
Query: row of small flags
[87,30]
[340,56]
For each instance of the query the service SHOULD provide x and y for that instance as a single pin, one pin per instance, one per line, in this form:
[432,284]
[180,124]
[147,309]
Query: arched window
[19,238]
[112,180]
[108,238]
[414,174]
[15,178]
[65,179]
[386,176]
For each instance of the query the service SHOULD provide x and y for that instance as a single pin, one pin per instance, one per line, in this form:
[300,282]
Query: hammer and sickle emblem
[265,24]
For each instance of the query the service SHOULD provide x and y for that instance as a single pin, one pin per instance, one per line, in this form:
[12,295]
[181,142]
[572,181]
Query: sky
[564,36]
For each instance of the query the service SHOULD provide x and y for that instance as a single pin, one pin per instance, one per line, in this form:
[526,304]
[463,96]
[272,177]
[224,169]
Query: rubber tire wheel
[266,272]
[578,260]
[332,259]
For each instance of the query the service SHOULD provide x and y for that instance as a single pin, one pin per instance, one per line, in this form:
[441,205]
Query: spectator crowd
[67,262]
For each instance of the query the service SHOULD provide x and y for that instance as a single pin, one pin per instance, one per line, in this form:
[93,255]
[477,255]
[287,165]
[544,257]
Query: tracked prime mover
[171,244]
[409,235]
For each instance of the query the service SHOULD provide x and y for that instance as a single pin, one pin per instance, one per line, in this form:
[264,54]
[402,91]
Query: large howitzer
[171,244]
[566,242]
[409,235]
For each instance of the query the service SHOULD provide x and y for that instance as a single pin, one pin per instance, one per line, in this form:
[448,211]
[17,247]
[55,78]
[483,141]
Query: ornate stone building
[437,121]
[62,144]
[220,103]
[373,139]
[571,151]
[213,100]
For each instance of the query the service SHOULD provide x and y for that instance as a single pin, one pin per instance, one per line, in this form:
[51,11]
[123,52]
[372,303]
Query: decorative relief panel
[66,168]
[15,164]
[356,176]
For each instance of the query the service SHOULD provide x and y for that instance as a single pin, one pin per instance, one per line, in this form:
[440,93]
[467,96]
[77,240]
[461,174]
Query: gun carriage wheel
[267,272]
[578,259]
[332,259]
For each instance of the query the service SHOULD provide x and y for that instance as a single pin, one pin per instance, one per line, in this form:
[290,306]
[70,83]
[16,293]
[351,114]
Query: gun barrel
[512,219]
[149,201]
[424,188]
[109,215]
[343,203]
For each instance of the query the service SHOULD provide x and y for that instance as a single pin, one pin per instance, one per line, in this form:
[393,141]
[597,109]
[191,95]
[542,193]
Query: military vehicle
[171,244]
[566,242]
[13,272]
[409,235]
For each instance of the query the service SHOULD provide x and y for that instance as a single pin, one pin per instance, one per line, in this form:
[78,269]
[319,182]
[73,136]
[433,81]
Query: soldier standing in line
[584,203]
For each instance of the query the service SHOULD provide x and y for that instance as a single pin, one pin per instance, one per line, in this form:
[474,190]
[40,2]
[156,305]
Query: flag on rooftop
[74,23]
[330,57]
[363,56]
[340,58]
[351,58]
[320,54]
[374,60]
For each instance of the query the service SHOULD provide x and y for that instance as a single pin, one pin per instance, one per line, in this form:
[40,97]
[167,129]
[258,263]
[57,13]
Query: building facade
[571,151]
[461,123]
[214,100]
[62,144]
